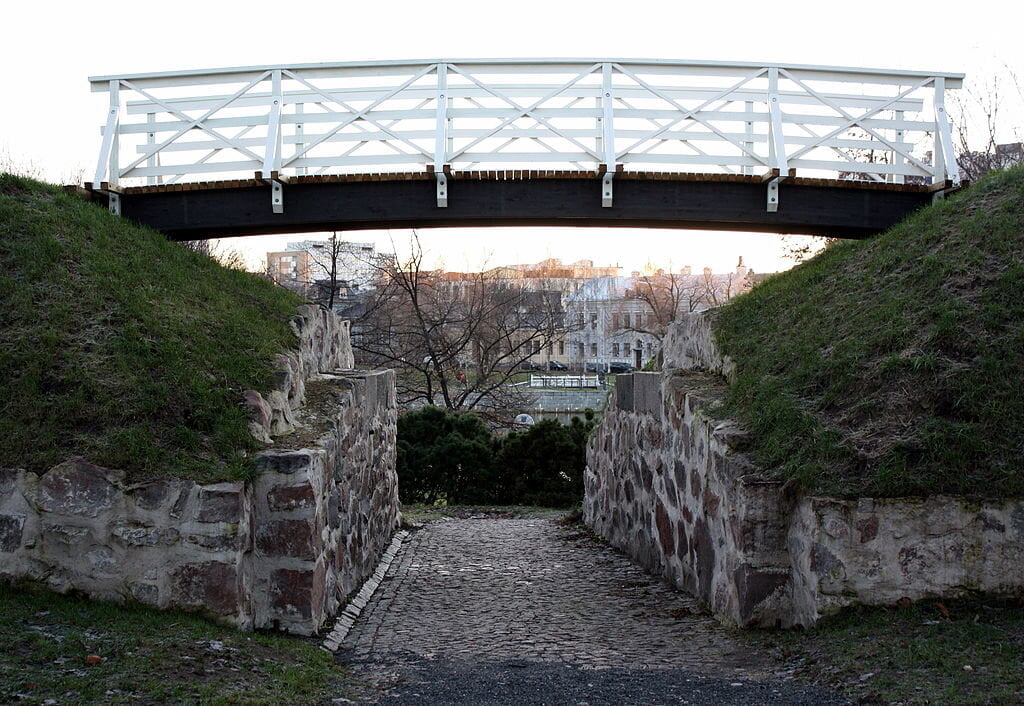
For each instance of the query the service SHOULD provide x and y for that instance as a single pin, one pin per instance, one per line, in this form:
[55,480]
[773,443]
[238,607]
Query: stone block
[624,393]
[103,560]
[260,414]
[290,497]
[368,392]
[665,533]
[288,538]
[222,503]
[867,528]
[298,594]
[145,536]
[184,495]
[291,593]
[77,487]
[287,462]
[66,535]
[212,585]
[334,510]
[145,593]
[11,530]
[647,393]
[152,496]
[231,541]
[732,436]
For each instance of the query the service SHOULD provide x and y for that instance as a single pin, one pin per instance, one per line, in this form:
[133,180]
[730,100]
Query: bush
[453,457]
[442,456]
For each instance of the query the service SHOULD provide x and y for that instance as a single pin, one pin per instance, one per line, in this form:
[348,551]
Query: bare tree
[25,167]
[718,289]
[667,296]
[454,342]
[802,247]
[228,257]
[326,257]
[980,125]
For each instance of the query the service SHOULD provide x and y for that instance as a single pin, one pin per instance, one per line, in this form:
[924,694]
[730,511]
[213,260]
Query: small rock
[93,659]
[968,668]
[865,677]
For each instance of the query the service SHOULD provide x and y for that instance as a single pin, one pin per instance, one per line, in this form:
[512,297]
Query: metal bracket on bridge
[277,196]
[442,189]
[773,195]
[606,189]
[114,202]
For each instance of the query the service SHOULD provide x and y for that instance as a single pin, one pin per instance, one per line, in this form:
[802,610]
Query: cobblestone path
[493,599]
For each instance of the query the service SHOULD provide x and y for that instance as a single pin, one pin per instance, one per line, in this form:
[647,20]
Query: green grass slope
[894,366]
[122,347]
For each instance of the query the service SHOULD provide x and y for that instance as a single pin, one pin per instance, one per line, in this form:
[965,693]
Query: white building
[355,264]
[619,321]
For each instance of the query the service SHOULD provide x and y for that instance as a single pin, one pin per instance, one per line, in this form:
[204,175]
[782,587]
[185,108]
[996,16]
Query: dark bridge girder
[813,207]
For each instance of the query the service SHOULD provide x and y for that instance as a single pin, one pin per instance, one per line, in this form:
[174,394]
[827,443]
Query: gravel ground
[442,682]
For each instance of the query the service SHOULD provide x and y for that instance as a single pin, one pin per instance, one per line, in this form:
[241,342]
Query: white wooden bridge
[606,122]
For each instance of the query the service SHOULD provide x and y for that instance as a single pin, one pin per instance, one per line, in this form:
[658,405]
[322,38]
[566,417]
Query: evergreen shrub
[453,458]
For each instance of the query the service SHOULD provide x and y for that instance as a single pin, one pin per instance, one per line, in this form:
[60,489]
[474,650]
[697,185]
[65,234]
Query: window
[615,321]
[593,319]
[561,348]
[593,350]
[615,350]
[551,348]
[579,320]
[639,320]
[625,321]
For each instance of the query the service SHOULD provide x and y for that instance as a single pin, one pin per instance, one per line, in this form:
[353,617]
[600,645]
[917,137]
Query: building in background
[305,268]
[548,284]
[617,323]
[356,262]
[291,269]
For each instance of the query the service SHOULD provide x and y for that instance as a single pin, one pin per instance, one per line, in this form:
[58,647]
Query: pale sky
[48,117]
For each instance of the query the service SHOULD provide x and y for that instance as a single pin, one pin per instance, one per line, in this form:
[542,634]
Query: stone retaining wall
[670,484]
[165,543]
[879,550]
[326,514]
[282,551]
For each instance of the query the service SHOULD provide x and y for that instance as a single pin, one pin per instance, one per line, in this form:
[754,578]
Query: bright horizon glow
[51,120]
[629,248]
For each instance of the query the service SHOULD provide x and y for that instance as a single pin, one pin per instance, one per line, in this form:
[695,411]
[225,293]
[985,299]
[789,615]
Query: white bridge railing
[582,381]
[553,114]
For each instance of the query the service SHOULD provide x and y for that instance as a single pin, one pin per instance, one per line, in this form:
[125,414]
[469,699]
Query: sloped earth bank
[531,611]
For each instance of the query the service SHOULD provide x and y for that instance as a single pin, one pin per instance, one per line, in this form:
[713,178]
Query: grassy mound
[150,657]
[122,347]
[894,366]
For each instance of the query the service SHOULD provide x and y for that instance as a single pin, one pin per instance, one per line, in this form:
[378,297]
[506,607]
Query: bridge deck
[519,174]
[840,208]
